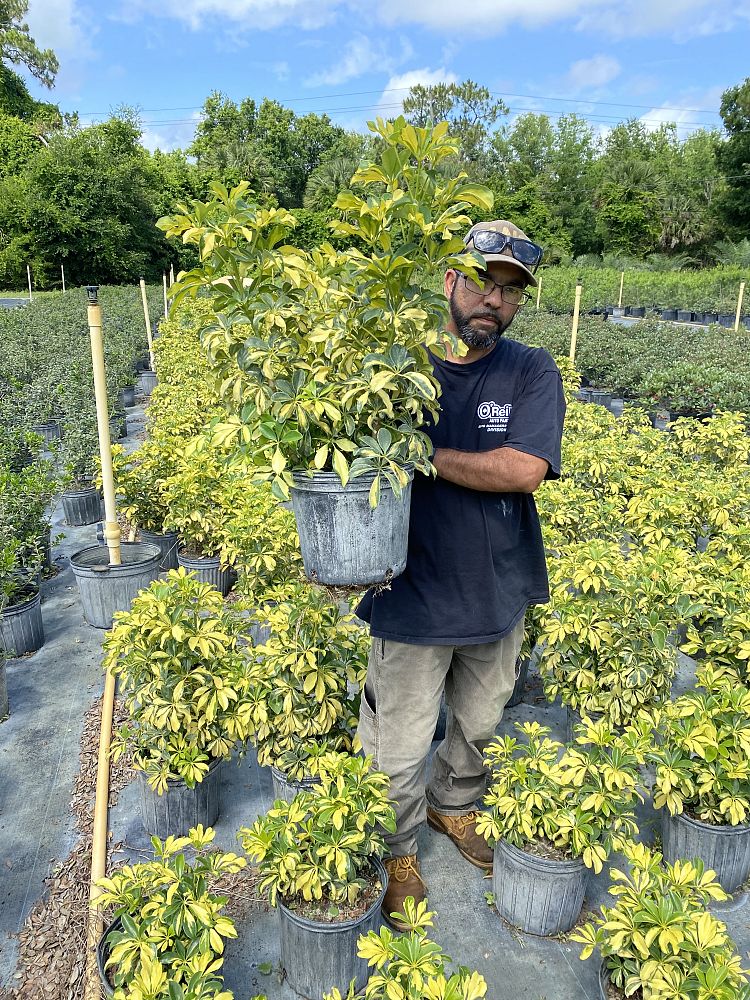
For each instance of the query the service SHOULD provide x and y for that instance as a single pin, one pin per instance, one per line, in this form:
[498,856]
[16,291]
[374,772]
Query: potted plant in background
[314,656]
[702,781]
[187,689]
[166,937]
[319,861]
[659,939]
[323,356]
[21,626]
[555,811]
[81,498]
[139,485]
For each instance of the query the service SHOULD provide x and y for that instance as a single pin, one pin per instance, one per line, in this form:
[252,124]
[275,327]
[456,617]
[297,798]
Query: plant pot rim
[720,829]
[329,482]
[95,558]
[176,782]
[541,864]
[80,490]
[196,559]
[309,780]
[318,927]
[102,954]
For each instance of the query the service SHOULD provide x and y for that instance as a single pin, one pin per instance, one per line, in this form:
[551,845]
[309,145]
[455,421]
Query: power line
[390,90]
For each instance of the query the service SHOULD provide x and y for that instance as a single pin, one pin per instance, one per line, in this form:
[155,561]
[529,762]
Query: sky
[607,60]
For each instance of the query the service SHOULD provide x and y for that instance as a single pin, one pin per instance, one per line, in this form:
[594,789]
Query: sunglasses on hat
[524,251]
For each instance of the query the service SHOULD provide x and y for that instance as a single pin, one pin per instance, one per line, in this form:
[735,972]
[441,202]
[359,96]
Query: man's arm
[502,470]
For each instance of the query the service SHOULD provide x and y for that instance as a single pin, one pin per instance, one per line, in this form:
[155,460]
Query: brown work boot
[404,879]
[463,832]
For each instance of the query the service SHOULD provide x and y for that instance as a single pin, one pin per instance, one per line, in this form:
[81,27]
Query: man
[453,620]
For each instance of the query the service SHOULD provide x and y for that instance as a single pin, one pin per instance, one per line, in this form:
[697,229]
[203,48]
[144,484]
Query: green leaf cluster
[578,798]
[660,938]
[168,937]
[320,845]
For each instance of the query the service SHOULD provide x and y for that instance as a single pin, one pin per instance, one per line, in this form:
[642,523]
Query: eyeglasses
[524,251]
[511,294]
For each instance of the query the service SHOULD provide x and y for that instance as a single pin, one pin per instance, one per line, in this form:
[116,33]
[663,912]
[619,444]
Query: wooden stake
[171,275]
[62,272]
[576,313]
[28,275]
[149,338]
[622,282]
[166,304]
[538,292]
[740,297]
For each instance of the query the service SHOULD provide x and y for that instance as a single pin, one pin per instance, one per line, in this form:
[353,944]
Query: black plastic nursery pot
[600,396]
[727,320]
[176,811]
[102,956]
[127,395]
[21,626]
[285,788]
[207,569]
[82,506]
[541,896]
[147,381]
[603,982]
[683,316]
[344,541]
[50,430]
[638,312]
[168,542]
[669,314]
[725,849]
[105,589]
[709,317]
[317,956]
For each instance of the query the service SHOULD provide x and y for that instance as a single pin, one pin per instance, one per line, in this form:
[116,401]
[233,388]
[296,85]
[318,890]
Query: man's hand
[502,470]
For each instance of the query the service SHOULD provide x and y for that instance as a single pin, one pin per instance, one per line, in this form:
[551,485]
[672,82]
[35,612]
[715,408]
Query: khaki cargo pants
[407,682]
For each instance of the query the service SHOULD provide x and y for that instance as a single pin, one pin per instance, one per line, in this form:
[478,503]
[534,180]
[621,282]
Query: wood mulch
[52,942]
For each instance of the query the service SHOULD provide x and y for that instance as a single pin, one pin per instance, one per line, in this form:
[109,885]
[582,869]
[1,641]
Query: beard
[480,336]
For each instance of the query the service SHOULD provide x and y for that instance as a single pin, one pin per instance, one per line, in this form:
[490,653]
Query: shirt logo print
[494,416]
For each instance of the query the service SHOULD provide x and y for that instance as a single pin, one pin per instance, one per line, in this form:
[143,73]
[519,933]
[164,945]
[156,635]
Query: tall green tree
[734,157]
[470,108]
[19,48]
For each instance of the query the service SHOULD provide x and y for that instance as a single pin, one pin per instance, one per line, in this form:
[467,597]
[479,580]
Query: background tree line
[87,196]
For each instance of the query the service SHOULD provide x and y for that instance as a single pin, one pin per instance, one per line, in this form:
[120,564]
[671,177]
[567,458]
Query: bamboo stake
[28,275]
[148,326]
[622,282]
[166,304]
[538,293]
[576,313]
[740,297]
[171,275]
[62,272]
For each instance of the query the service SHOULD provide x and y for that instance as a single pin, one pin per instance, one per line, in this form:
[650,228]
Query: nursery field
[239,663]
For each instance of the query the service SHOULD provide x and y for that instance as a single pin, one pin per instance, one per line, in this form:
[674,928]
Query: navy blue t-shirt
[475,558]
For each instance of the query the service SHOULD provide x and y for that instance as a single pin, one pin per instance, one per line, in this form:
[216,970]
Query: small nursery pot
[344,541]
[207,569]
[147,382]
[168,542]
[318,956]
[725,849]
[21,627]
[82,506]
[127,395]
[669,314]
[539,895]
[50,430]
[286,788]
[175,811]
[683,316]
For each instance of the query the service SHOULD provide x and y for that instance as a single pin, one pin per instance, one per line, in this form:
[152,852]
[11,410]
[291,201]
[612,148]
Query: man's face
[481,320]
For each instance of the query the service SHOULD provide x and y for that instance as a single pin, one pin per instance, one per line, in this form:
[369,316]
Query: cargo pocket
[368,730]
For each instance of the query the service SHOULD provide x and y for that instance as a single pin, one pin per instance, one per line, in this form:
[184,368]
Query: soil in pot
[318,954]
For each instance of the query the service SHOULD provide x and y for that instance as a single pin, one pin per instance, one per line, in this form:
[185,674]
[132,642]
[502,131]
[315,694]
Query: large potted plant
[167,932]
[304,705]
[323,356]
[81,497]
[319,861]
[555,811]
[21,626]
[187,690]
[659,940]
[702,781]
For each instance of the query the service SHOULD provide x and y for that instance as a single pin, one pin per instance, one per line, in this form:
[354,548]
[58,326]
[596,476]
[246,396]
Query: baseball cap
[506,255]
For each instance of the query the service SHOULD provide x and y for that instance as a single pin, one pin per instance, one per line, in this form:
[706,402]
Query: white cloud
[169,137]
[359,57]
[246,14]
[58,25]
[587,74]
[686,114]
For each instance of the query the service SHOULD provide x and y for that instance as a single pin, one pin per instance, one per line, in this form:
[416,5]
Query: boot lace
[400,868]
